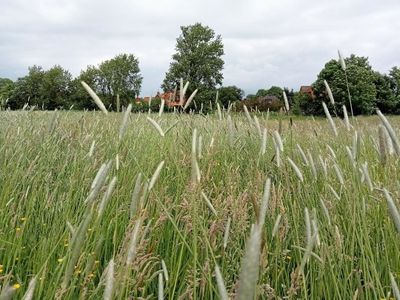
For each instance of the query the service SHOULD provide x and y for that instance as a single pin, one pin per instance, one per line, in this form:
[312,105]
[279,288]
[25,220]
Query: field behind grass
[165,210]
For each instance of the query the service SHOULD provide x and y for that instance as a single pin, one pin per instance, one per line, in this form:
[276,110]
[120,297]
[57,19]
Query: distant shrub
[265,103]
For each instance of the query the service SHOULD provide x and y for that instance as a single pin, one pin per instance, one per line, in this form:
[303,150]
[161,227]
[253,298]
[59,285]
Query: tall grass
[186,215]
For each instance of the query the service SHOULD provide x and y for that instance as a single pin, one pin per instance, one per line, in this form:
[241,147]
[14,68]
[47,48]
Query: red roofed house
[307,90]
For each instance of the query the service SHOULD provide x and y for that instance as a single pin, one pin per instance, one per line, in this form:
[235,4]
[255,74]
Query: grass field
[165,210]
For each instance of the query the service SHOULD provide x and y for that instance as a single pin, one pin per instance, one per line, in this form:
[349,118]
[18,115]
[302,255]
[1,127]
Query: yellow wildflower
[16,286]
[60,260]
[18,229]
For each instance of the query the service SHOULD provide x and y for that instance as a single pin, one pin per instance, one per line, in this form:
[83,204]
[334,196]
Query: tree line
[198,60]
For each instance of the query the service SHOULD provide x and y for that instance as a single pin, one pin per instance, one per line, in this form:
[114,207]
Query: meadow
[181,206]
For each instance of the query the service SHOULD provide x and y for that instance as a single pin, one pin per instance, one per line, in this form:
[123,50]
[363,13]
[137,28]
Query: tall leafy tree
[229,94]
[55,89]
[6,90]
[28,89]
[120,78]
[361,84]
[198,59]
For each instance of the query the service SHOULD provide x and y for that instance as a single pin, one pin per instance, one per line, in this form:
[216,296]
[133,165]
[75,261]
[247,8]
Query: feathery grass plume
[199,147]
[98,175]
[326,211]
[194,142]
[394,285]
[338,174]
[246,111]
[156,126]
[285,99]
[278,140]
[181,95]
[165,270]
[356,142]
[95,98]
[209,204]
[132,248]
[315,229]
[391,132]
[302,154]
[31,289]
[190,99]
[329,91]
[264,202]
[106,197]
[389,143]
[230,128]
[223,294]
[263,149]
[160,112]
[70,228]
[328,115]
[257,126]
[155,175]
[323,165]
[136,194]
[277,155]
[76,246]
[350,156]
[276,225]
[160,286]
[117,162]
[296,169]
[185,88]
[382,144]
[308,224]
[124,123]
[219,111]
[98,181]
[250,265]
[91,150]
[393,210]
[341,61]
[346,118]
[364,168]
[334,192]
[108,291]
[308,252]
[333,154]
[8,292]
[226,232]
[312,164]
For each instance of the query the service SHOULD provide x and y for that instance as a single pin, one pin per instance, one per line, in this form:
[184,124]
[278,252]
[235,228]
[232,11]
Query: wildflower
[60,260]
[91,275]
[16,286]
[66,244]
[1,271]
[23,219]
[18,229]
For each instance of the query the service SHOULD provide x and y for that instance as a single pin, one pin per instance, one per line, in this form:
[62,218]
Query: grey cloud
[266,42]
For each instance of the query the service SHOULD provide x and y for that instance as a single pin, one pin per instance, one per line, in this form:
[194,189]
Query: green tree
[55,89]
[361,84]
[272,91]
[385,97]
[79,96]
[120,78]
[28,89]
[229,94]
[197,60]
[6,90]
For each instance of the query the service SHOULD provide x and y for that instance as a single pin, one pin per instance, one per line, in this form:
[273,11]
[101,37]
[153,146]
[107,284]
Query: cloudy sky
[266,42]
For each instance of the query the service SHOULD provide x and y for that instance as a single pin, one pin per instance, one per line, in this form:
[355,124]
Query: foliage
[303,104]
[229,94]
[197,60]
[259,104]
[361,84]
[120,76]
[6,90]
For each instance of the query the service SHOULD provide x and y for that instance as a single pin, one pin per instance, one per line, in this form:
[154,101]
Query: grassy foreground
[144,229]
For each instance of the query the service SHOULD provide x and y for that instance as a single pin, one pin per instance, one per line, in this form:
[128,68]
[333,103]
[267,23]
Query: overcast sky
[266,42]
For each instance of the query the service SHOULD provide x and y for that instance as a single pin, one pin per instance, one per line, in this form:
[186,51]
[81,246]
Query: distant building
[306,89]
